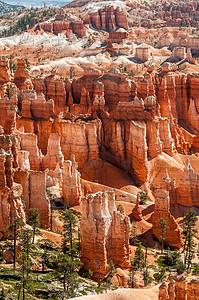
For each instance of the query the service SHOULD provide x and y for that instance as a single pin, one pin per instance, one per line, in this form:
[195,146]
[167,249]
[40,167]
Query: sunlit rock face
[162,211]
[104,233]
[179,287]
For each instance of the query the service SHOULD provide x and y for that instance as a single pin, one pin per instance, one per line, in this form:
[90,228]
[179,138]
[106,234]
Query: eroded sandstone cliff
[141,125]
[104,234]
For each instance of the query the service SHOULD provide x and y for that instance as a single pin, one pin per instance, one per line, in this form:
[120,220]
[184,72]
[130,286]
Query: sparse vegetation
[189,223]
[143,197]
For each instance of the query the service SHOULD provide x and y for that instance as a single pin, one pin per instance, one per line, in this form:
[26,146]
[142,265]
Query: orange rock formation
[162,211]
[141,125]
[179,287]
[108,19]
[104,234]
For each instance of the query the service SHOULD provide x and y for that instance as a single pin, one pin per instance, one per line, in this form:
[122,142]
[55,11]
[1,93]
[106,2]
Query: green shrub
[143,197]
[180,267]
[160,275]
[195,270]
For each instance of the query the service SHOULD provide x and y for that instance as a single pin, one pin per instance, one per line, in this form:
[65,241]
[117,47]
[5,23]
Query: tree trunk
[71,240]
[33,238]
[15,243]
[162,241]
[18,298]
[23,283]
[51,215]
[64,284]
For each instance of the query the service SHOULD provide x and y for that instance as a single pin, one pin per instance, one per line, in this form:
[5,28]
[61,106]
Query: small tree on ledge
[143,197]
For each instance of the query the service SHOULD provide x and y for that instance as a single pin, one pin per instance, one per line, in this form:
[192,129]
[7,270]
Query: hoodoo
[99,143]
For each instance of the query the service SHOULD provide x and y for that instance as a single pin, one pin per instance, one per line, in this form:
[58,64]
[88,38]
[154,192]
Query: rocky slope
[7,8]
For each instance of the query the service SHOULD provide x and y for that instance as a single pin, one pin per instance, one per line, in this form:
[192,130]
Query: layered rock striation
[179,287]
[132,123]
[62,27]
[108,19]
[104,234]
[162,211]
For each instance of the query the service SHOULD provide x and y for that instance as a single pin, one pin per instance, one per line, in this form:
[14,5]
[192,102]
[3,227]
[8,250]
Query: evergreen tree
[171,258]
[146,275]
[2,294]
[23,262]
[69,232]
[180,267]
[107,284]
[25,242]
[143,197]
[160,275]
[50,198]
[27,63]
[15,228]
[65,271]
[138,261]
[111,268]
[131,280]
[25,259]
[45,259]
[8,92]
[163,225]
[133,234]
[189,223]
[34,222]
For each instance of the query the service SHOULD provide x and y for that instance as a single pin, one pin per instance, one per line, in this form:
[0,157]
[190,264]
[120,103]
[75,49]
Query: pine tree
[143,197]
[45,259]
[189,223]
[146,275]
[160,275]
[8,92]
[163,225]
[131,280]
[25,242]
[133,234]
[27,63]
[23,262]
[15,228]
[138,261]
[34,222]
[2,294]
[69,232]
[25,259]
[111,268]
[50,198]
[65,271]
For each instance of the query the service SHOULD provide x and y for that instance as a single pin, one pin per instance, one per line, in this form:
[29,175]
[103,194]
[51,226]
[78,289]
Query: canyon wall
[133,124]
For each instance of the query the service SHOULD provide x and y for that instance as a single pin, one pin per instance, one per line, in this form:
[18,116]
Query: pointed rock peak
[70,99]
[187,164]
[57,168]
[53,72]
[166,175]
[83,91]
[94,115]
[73,158]
[138,199]
[88,99]
[138,102]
